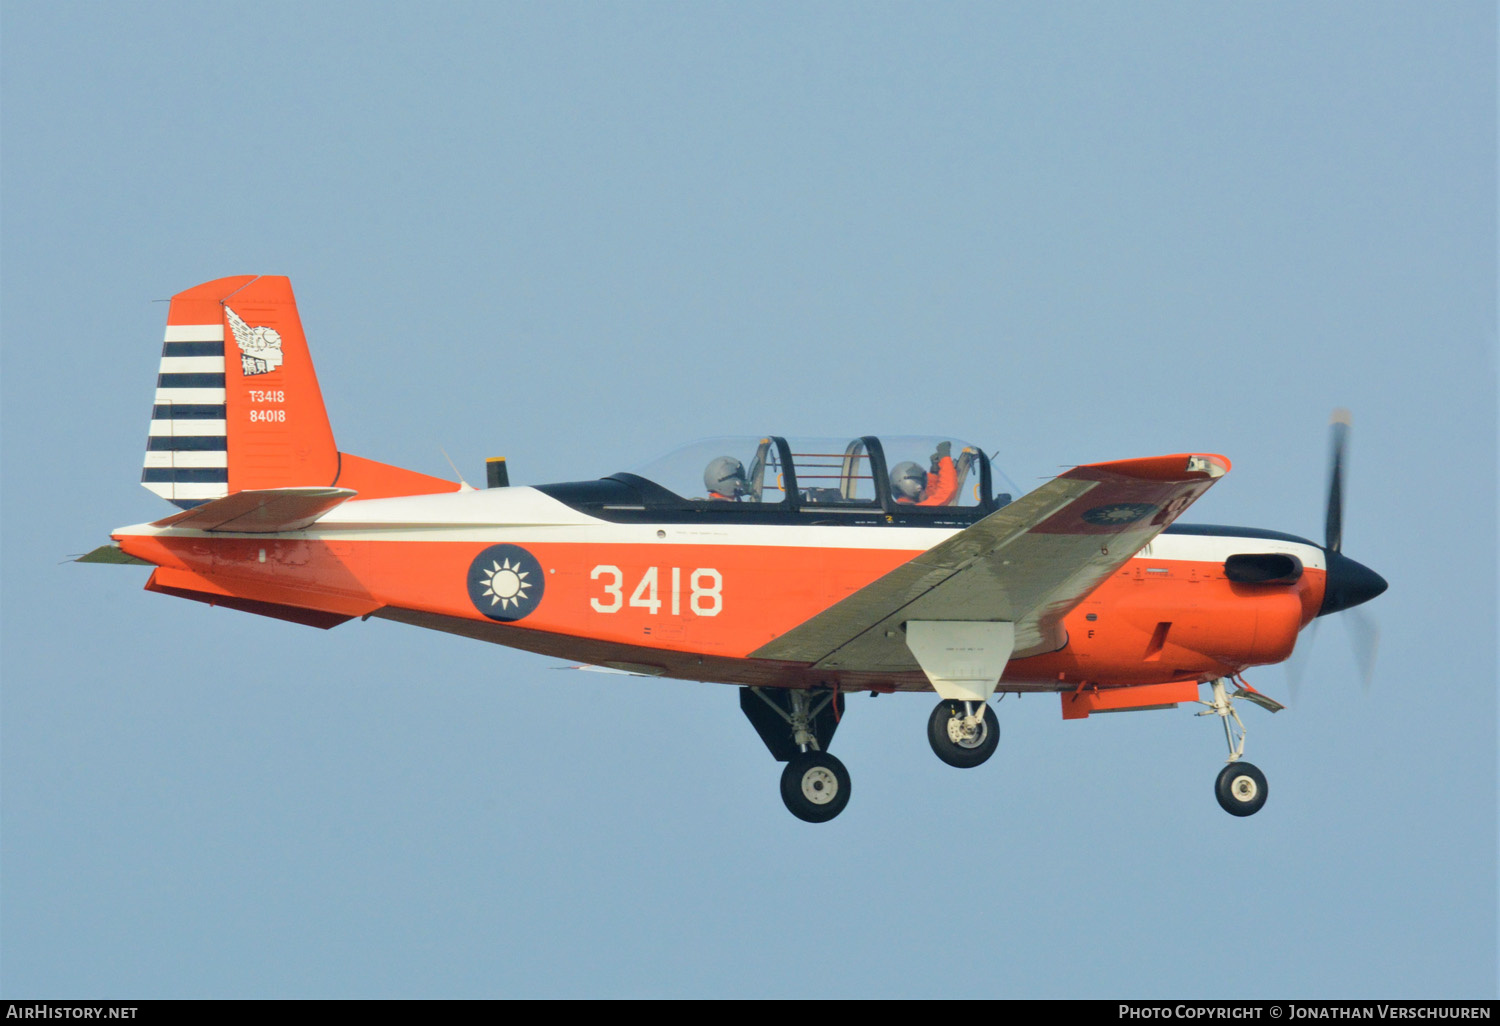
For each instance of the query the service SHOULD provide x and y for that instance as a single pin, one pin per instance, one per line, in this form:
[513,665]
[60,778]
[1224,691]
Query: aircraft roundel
[1117,513]
[506,583]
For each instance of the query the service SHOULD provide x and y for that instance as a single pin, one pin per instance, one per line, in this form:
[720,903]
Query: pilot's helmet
[725,476]
[908,480]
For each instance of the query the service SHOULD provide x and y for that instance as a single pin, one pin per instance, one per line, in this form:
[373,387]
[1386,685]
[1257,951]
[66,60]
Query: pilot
[913,486]
[724,478]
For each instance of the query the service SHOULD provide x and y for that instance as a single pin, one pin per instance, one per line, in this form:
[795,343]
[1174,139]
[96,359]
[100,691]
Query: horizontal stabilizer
[112,554]
[261,510]
[318,608]
[627,669]
[293,614]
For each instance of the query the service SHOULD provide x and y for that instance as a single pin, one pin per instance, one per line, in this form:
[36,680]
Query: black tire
[815,787]
[943,735]
[1241,789]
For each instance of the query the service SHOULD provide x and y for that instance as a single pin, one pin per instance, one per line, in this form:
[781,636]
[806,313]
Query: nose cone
[1348,584]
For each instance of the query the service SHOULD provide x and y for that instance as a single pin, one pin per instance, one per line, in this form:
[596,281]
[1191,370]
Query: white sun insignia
[506,583]
[260,348]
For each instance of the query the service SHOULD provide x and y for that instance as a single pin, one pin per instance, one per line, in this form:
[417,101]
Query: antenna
[456,472]
[496,473]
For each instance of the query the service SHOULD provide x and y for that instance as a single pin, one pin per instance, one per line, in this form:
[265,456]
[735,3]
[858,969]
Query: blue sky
[579,235]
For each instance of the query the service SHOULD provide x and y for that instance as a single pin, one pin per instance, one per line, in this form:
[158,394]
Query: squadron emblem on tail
[260,348]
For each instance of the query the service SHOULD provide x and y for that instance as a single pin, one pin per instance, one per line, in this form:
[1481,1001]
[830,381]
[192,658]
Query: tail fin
[238,405]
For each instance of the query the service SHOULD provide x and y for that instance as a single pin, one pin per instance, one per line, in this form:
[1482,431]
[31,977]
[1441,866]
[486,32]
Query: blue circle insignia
[1117,513]
[505,583]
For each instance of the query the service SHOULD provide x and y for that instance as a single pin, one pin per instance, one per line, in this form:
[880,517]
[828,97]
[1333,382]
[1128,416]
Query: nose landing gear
[1240,788]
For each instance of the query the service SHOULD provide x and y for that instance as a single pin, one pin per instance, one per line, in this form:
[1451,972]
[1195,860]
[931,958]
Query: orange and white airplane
[799,570]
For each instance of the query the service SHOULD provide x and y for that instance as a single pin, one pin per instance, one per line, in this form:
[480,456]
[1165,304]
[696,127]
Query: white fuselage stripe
[1215,548]
[173,458]
[525,515]
[185,490]
[195,333]
[193,396]
[192,364]
[183,428]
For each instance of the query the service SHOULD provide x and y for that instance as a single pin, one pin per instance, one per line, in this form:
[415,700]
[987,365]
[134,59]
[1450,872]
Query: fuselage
[694,593]
[800,567]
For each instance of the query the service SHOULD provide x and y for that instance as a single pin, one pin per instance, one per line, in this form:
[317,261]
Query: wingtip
[1177,467]
[1211,464]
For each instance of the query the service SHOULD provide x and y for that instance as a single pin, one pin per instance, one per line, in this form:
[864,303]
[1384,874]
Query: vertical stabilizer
[238,405]
[279,435]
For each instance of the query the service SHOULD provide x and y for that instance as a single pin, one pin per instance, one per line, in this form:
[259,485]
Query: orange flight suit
[941,487]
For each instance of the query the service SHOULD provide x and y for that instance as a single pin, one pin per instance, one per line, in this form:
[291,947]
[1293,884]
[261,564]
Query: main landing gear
[1240,788]
[963,734]
[797,726]
[815,787]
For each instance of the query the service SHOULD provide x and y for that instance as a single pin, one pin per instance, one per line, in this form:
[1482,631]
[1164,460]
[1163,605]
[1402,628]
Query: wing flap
[261,510]
[1029,563]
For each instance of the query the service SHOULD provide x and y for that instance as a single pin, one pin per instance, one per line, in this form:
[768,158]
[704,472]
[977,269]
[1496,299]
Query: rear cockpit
[917,477]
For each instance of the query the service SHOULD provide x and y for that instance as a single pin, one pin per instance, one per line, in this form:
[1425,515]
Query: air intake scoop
[1263,568]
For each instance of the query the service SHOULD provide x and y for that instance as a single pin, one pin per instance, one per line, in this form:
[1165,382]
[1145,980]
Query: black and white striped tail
[187,458]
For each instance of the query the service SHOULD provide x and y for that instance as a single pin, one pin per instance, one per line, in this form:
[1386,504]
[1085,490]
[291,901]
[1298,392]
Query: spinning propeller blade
[1296,665]
[1364,638]
[1347,583]
[1334,525]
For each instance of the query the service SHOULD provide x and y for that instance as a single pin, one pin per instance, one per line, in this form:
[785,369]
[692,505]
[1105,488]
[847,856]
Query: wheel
[955,746]
[815,787]
[1241,789]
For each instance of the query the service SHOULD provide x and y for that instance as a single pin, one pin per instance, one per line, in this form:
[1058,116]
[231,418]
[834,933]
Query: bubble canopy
[909,473]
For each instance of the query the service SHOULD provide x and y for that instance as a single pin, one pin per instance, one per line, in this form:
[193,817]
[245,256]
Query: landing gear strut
[963,734]
[1240,788]
[797,725]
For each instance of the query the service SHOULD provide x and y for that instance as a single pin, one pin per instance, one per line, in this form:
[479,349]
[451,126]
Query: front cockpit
[915,477]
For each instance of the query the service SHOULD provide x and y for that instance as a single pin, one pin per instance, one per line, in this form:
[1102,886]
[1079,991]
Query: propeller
[1334,530]
[1348,583]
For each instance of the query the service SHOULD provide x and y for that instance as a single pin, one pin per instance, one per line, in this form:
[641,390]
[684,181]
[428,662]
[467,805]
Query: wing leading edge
[1027,564]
